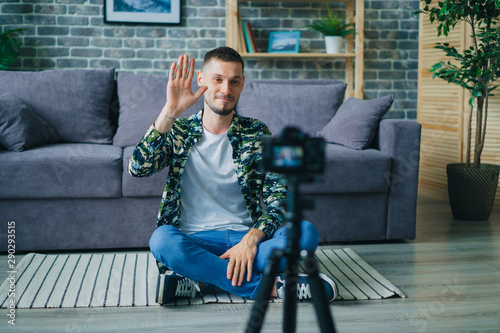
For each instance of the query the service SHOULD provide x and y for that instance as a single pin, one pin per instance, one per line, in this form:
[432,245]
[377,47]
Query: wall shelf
[354,56]
[297,55]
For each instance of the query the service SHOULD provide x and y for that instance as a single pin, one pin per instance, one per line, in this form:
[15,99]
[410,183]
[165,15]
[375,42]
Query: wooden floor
[450,273]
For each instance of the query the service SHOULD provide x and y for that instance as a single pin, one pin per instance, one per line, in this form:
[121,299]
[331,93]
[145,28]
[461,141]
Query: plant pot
[472,191]
[332,44]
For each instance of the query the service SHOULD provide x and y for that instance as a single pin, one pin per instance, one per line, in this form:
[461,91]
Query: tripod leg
[290,308]
[264,293]
[318,293]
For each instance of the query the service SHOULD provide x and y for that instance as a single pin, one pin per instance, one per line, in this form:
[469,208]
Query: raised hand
[179,93]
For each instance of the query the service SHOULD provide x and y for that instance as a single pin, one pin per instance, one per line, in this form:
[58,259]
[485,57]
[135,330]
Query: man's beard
[219,111]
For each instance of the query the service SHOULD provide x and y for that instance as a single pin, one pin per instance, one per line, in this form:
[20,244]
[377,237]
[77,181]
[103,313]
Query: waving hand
[179,93]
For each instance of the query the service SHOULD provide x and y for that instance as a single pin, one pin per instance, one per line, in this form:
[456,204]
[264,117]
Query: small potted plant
[471,186]
[334,28]
[9,47]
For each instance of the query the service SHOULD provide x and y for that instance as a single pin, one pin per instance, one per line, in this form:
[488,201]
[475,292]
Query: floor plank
[450,273]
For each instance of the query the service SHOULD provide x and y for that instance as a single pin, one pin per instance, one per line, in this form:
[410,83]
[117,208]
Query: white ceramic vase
[333,44]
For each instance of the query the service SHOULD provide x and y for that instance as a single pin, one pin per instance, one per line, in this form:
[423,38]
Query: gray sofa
[64,181]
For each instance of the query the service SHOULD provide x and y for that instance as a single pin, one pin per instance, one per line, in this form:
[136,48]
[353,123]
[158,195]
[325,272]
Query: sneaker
[304,288]
[172,286]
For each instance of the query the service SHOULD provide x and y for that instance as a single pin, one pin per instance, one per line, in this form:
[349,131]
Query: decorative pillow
[356,122]
[20,127]
[75,102]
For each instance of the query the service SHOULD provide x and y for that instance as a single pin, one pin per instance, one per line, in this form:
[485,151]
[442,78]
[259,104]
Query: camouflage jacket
[156,151]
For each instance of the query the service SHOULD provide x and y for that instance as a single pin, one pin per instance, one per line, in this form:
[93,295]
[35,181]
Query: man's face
[224,81]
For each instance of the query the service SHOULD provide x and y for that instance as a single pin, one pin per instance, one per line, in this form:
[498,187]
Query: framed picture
[142,11]
[284,42]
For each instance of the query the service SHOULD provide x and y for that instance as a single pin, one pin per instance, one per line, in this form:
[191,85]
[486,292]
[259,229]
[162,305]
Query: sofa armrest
[401,140]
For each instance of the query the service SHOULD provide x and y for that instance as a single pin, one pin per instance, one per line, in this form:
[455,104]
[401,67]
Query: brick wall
[72,34]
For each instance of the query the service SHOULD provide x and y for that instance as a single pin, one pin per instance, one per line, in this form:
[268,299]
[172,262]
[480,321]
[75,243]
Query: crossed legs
[196,256]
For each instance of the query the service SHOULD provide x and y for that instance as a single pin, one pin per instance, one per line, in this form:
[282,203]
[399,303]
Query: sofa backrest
[308,104]
[75,103]
[141,98]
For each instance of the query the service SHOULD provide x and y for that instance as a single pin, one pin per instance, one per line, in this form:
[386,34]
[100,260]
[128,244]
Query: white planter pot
[333,44]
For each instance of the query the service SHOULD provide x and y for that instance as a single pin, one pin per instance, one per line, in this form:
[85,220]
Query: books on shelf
[252,37]
[247,35]
[242,47]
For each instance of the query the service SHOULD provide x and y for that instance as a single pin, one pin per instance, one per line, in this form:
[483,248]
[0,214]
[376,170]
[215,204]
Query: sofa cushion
[306,104]
[20,127]
[142,97]
[65,170]
[352,171]
[356,122]
[75,103]
[347,171]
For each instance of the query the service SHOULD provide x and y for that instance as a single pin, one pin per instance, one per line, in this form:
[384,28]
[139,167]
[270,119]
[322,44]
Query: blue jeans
[196,256]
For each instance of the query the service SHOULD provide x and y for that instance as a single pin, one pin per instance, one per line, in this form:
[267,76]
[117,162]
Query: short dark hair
[224,53]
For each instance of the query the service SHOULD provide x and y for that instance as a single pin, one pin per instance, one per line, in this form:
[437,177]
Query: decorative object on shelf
[142,11]
[9,47]
[475,69]
[334,28]
[284,42]
[333,44]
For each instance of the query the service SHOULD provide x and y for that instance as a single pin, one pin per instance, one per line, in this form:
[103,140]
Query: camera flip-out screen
[293,152]
[289,157]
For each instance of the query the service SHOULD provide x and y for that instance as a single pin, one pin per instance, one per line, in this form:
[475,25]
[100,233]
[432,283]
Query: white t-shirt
[211,197]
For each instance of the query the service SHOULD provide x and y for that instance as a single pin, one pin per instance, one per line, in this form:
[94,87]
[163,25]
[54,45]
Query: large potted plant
[9,47]
[334,28]
[471,185]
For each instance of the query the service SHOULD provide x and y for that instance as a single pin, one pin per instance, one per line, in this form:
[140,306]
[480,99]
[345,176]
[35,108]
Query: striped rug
[129,279]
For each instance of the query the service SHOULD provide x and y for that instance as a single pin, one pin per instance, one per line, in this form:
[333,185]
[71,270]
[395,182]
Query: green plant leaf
[334,25]
[9,48]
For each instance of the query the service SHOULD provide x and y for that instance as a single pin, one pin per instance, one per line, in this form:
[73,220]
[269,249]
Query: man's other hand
[242,255]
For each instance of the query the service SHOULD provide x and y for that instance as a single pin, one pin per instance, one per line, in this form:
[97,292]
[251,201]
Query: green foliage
[477,71]
[334,25]
[449,12]
[9,48]
[476,68]
[480,64]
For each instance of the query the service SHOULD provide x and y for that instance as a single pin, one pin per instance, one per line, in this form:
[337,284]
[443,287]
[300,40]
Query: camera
[294,152]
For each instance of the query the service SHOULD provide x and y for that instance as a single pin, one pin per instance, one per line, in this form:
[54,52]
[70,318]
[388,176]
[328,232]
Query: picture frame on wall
[142,11]
[284,42]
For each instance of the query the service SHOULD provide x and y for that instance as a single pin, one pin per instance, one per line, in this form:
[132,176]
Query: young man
[211,227]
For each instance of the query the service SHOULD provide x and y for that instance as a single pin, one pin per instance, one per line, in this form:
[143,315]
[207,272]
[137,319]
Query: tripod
[292,254]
